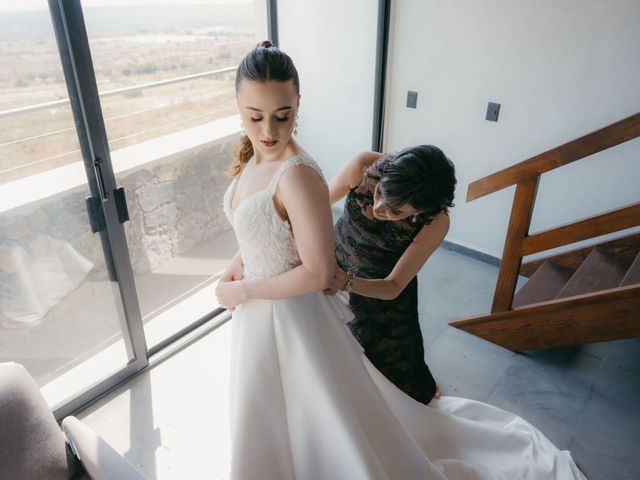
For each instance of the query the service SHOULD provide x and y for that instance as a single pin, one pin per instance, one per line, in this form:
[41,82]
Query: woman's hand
[339,280]
[235,271]
[232,293]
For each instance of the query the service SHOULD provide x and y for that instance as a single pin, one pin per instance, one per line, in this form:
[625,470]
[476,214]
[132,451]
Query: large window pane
[60,311]
[165,75]
[135,46]
[36,125]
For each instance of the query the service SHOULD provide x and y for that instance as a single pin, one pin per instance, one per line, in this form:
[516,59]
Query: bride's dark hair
[264,63]
[420,176]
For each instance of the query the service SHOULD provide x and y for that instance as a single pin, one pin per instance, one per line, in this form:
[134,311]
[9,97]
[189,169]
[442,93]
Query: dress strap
[298,159]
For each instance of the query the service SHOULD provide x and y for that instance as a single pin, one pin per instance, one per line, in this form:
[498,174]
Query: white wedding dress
[306,404]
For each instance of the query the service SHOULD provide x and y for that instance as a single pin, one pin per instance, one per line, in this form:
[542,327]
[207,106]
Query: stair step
[626,246]
[599,271]
[545,284]
[633,274]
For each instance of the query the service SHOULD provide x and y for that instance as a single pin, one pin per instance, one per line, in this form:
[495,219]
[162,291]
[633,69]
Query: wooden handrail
[607,137]
[608,222]
[526,175]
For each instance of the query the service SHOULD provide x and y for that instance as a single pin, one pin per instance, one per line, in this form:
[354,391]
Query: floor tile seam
[495,384]
[587,402]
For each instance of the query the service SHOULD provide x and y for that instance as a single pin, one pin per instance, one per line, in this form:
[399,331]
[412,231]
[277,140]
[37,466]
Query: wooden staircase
[584,295]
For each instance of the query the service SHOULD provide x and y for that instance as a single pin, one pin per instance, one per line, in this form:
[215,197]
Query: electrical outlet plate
[493,110]
[412,99]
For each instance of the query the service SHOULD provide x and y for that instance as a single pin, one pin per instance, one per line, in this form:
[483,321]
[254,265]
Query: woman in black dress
[395,216]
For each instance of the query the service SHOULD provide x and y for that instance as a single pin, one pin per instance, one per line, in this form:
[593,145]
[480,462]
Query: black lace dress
[388,330]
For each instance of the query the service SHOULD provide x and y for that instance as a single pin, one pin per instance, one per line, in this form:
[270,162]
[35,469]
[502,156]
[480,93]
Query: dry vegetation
[125,53]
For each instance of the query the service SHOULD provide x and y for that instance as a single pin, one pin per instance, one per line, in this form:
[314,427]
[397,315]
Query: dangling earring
[414,219]
[243,133]
[295,127]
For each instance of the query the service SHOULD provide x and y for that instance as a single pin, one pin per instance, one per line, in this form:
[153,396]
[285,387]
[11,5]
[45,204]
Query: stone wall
[174,204]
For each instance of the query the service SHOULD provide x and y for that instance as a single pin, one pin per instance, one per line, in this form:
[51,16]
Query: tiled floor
[172,421]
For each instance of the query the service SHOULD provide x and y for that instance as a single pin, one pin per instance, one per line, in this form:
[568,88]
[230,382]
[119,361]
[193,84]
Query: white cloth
[306,404]
[36,277]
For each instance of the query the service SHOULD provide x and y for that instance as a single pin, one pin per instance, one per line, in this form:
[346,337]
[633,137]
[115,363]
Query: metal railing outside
[60,157]
[117,91]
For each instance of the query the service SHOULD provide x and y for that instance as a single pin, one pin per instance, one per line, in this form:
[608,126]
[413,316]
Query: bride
[305,402]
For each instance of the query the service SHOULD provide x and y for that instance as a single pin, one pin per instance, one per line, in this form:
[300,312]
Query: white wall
[260,20]
[333,45]
[559,69]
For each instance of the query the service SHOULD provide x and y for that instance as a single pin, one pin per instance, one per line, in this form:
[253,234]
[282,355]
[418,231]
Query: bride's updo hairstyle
[264,63]
[420,176]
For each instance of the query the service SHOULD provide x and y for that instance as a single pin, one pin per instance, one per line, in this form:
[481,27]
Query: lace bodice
[266,241]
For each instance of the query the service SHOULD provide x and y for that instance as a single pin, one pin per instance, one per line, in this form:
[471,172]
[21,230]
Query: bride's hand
[230,294]
[235,271]
[339,280]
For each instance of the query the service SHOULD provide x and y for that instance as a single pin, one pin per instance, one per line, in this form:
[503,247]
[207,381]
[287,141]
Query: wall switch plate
[493,109]
[412,99]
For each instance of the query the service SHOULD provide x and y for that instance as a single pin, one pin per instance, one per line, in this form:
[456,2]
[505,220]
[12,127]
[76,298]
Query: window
[165,77]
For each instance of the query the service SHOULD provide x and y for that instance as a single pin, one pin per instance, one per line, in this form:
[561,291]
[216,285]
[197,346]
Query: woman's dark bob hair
[420,176]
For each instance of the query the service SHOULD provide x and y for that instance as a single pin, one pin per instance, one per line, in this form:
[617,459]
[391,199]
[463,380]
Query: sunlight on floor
[172,422]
